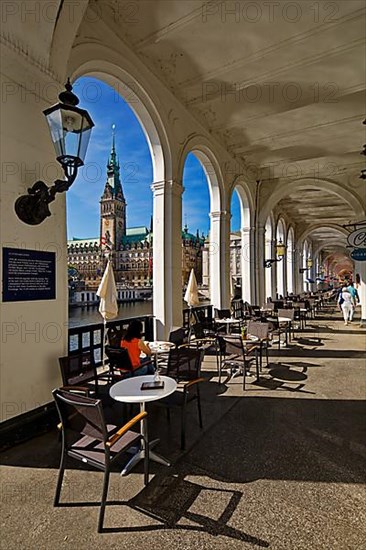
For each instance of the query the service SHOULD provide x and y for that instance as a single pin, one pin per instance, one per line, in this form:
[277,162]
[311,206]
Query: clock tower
[112,205]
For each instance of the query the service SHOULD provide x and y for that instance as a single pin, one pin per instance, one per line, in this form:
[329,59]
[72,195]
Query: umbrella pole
[189,323]
[104,342]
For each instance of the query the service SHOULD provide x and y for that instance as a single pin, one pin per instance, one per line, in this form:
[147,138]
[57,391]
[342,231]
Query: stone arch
[138,97]
[247,246]
[200,147]
[304,183]
[218,254]
[280,235]
[308,230]
[269,273]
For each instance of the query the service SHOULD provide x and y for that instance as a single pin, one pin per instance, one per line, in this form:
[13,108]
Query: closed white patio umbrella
[107,292]
[191,294]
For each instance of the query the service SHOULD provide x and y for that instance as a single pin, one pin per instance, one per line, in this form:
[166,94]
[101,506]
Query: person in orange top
[132,341]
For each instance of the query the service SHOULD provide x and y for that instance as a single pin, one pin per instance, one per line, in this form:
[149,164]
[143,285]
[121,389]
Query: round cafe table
[227,322]
[129,391]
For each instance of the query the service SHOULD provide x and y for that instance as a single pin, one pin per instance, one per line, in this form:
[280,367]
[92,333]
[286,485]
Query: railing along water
[90,337]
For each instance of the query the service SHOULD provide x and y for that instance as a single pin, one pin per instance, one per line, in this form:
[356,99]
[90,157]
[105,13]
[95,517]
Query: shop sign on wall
[28,275]
[359,254]
[357,239]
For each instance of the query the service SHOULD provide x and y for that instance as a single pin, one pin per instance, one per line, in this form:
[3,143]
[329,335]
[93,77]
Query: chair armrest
[115,437]
[187,385]
[78,389]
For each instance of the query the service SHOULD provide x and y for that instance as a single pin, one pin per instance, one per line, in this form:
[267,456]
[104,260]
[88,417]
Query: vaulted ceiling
[281,87]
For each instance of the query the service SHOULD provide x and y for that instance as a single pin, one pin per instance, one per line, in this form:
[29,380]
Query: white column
[167,256]
[268,270]
[205,266]
[360,268]
[259,272]
[220,259]
[298,276]
[245,265]
[273,269]
[290,269]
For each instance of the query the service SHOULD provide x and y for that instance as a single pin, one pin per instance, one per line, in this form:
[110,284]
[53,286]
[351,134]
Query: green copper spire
[113,168]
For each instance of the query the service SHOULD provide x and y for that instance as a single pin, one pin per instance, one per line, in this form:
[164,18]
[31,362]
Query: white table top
[279,319]
[218,321]
[250,338]
[129,390]
[159,346]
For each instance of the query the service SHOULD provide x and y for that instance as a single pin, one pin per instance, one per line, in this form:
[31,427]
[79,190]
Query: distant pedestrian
[353,290]
[346,303]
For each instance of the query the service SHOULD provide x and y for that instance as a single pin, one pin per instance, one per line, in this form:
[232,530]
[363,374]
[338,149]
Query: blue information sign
[28,275]
[359,254]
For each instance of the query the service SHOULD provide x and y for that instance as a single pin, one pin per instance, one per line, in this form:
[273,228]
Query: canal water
[88,315]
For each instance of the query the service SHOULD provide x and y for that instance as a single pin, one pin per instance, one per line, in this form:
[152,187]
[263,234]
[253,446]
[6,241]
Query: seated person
[132,341]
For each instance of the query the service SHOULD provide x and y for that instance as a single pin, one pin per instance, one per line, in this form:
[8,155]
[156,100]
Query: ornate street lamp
[70,129]
[280,253]
[309,265]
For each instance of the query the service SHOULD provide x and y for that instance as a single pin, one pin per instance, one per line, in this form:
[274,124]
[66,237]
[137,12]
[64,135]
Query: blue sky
[107,108]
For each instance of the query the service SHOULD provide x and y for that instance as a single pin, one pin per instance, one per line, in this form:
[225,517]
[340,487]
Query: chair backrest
[179,336]
[119,358]
[185,363]
[198,331]
[80,415]
[205,322]
[222,313]
[78,368]
[300,305]
[231,344]
[256,328]
[289,313]
[114,336]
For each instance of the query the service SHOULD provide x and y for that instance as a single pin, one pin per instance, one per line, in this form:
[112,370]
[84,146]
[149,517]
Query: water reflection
[81,316]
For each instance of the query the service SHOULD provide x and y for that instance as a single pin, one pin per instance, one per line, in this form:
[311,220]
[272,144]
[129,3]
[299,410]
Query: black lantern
[70,129]
[309,265]
[280,253]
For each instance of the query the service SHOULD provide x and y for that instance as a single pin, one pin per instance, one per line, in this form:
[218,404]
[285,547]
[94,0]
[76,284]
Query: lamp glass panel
[70,131]
[280,250]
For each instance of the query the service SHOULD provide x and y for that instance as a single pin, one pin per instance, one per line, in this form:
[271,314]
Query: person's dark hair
[134,330]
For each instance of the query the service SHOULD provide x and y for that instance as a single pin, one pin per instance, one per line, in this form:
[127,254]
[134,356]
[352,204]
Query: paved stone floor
[281,465]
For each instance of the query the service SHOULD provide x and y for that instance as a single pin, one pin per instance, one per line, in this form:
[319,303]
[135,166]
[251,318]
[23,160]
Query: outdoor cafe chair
[235,356]
[261,330]
[87,438]
[184,365]
[222,313]
[119,363]
[289,313]
[79,369]
[179,336]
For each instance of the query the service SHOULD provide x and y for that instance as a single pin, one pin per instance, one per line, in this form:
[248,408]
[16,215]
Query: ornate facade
[131,248]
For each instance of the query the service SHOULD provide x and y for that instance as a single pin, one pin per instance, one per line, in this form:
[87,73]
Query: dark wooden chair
[184,365]
[87,438]
[80,370]
[261,330]
[235,357]
[119,363]
[222,313]
[179,336]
